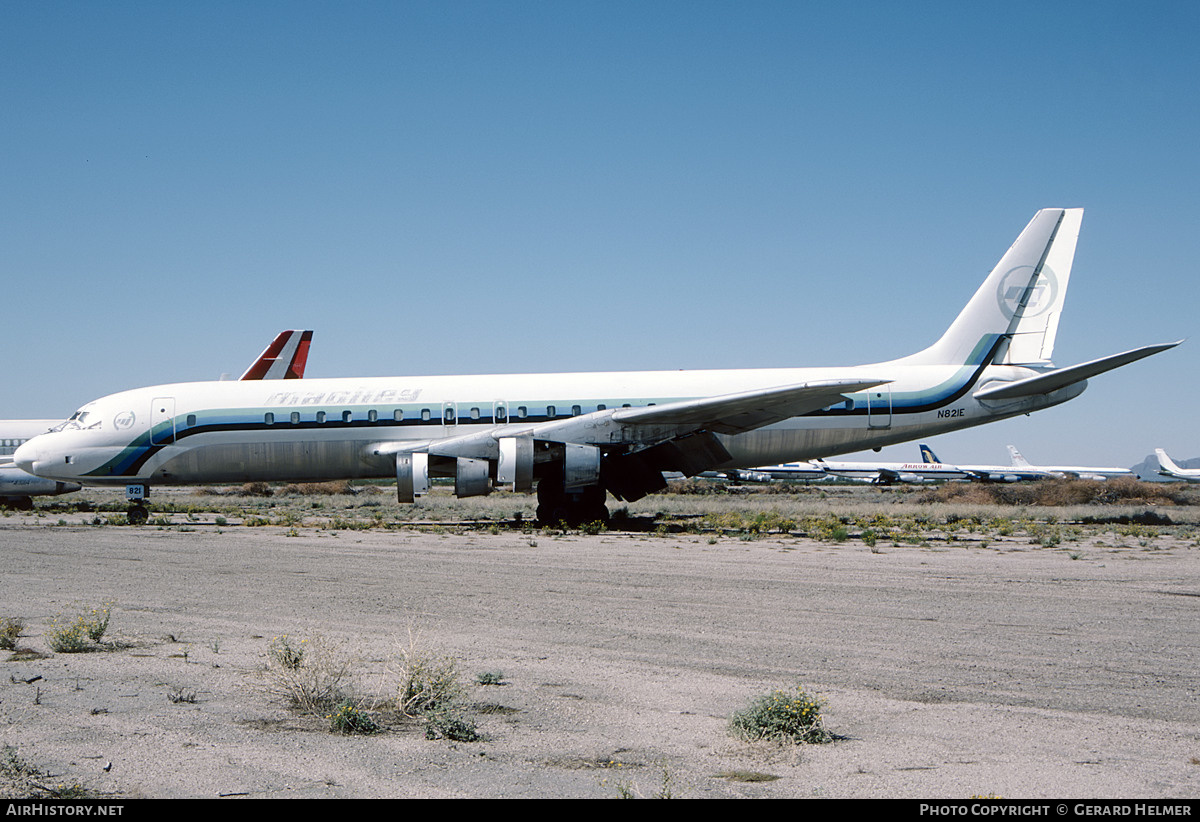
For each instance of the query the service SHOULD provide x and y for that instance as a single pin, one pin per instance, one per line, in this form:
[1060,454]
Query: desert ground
[973,657]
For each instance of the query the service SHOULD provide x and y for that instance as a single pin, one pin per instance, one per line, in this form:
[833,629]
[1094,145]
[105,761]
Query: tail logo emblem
[1012,287]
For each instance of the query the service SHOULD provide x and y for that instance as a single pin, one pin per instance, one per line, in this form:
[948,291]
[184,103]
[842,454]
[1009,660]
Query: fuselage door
[879,408]
[162,421]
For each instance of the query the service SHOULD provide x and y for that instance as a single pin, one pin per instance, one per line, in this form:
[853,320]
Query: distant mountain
[1147,469]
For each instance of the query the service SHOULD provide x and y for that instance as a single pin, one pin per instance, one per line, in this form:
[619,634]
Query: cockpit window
[79,421]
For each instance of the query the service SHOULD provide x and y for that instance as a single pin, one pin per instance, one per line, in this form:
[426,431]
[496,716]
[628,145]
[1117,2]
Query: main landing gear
[575,507]
[137,514]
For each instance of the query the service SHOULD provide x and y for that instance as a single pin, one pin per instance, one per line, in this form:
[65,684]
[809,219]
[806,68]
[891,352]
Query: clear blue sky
[465,187]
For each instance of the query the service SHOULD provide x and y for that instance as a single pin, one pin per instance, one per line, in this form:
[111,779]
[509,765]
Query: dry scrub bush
[781,716]
[428,681]
[331,488]
[311,675]
[78,633]
[1059,493]
[10,631]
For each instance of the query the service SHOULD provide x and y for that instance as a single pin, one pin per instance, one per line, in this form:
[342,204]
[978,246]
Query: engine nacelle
[412,476]
[471,477]
[581,466]
[17,483]
[515,465]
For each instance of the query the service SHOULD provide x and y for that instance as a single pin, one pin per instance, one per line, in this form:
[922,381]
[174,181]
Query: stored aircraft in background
[17,487]
[1067,471]
[1168,468]
[580,435]
[766,473]
[889,473]
[1020,469]
[284,358]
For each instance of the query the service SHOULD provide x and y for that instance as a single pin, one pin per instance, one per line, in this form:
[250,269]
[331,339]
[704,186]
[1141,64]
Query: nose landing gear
[137,513]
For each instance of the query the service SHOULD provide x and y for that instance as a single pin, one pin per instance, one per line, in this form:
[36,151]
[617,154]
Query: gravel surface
[1012,670]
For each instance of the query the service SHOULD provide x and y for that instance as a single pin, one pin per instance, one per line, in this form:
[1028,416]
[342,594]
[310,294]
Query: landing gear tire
[137,515]
[557,505]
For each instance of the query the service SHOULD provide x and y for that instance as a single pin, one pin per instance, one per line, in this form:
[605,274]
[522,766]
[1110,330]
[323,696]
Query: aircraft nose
[25,456]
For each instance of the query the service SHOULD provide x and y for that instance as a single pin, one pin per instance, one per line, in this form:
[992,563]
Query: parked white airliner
[1069,471]
[284,358]
[889,473]
[1020,469]
[579,435]
[1168,468]
[17,487]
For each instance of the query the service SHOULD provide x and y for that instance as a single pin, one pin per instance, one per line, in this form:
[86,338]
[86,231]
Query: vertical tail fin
[284,359]
[1017,460]
[1013,317]
[927,454]
[1166,463]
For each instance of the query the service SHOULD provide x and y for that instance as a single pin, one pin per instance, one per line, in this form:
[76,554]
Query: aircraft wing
[745,411]
[726,413]
[1062,377]
[636,445]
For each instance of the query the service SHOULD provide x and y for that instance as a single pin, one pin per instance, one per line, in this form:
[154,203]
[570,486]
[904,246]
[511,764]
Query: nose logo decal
[1041,296]
[124,420]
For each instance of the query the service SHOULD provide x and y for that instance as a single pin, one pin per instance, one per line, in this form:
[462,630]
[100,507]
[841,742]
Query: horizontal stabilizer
[745,411]
[1062,377]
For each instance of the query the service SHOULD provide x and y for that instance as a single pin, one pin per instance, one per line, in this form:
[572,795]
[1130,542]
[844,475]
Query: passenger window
[191,420]
[474,413]
[522,411]
[295,418]
[576,410]
[398,414]
[425,415]
[269,418]
[347,416]
[321,417]
[372,416]
[551,411]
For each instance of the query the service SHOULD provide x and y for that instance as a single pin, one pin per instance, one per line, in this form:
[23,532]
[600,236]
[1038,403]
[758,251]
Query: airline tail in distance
[1018,461]
[1167,467]
[284,359]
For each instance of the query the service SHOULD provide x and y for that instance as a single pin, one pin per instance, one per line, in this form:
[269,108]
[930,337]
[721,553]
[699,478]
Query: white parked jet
[1168,468]
[580,435]
[766,473]
[17,487]
[1022,470]
[284,358]
[1069,471]
[889,473]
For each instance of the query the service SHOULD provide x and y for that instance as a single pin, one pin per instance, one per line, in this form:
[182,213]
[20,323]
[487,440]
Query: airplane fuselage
[315,429]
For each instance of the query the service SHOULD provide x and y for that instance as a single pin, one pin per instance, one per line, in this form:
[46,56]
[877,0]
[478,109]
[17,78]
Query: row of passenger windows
[449,414]
[12,443]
